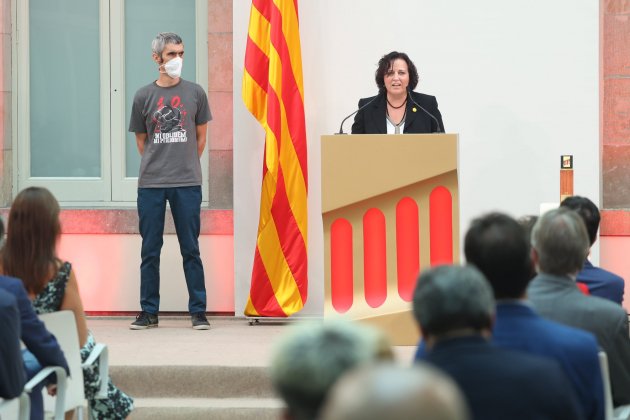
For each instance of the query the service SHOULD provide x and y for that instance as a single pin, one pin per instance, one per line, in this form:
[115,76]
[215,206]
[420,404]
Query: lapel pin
[414,109]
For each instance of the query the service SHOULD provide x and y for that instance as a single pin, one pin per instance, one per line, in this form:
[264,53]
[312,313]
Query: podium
[390,208]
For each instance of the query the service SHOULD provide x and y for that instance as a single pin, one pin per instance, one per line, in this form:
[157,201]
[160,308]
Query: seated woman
[29,253]
[397,109]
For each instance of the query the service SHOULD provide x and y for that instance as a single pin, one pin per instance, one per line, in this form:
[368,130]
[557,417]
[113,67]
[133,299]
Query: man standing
[599,282]
[169,118]
[559,247]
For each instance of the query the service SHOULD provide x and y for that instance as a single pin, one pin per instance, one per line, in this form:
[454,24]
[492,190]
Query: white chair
[16,408]
[62,325]
[619,413]
[62,386]
[10,409]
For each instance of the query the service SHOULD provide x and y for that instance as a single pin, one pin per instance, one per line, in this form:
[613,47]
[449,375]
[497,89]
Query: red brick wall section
[615,82]
[220,95]
[616,108]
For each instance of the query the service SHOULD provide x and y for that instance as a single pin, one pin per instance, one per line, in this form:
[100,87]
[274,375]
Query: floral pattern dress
[117,405]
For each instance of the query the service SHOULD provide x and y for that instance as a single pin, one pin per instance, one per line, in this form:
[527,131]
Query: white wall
[108,271]
[517,80]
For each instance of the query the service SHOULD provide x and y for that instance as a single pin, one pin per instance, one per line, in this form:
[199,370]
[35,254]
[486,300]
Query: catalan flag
[273,92]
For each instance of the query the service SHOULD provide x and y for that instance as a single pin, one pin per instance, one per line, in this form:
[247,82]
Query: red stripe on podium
[407,247]
[341,267]
[374,257]
[441,226]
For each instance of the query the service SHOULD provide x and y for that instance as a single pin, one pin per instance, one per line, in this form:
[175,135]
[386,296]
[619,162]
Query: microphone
[440,129]
[364,105]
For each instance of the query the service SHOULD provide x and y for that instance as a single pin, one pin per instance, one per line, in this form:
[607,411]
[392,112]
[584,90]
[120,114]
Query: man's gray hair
[163,38]
[561,241]
[388,391]
[308,360]
[449,298]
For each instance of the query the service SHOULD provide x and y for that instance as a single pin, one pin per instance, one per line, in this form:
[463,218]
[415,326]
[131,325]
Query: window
[79,64]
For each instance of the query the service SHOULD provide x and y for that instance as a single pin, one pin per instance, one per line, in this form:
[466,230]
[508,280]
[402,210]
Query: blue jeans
[185,205]
[32,366]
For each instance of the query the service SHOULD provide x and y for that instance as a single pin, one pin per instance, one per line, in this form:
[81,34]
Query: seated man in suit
[498,246]
[454,308]
[560,245]
[12,374]
[599,282]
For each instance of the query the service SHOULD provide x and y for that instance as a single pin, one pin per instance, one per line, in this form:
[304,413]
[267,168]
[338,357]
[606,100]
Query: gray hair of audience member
[387,391]
[450,298]
[560,241]
[163,38]
[308,360]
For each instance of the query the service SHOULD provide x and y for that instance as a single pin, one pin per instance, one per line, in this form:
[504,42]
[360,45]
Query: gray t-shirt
[169,116]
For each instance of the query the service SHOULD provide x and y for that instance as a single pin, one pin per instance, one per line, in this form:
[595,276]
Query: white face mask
[174,67]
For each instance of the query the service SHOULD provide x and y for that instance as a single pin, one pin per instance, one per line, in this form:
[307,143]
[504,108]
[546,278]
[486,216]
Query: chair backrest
[18,408]
[10,409]
[62,325]
[608,403]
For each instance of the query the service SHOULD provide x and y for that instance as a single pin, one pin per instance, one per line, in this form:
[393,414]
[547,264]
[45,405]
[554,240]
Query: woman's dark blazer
[371,119]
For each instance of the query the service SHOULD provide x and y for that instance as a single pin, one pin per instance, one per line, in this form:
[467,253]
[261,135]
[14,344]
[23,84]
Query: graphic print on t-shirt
[169,121]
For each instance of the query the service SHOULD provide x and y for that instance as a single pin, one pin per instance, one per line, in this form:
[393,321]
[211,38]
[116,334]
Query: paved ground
[230,342]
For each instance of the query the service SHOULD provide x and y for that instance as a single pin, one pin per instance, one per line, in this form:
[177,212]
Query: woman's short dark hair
[385,64]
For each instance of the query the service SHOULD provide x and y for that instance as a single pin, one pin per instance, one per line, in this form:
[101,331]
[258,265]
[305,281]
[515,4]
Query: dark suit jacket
[602,283]
[371,120]
[12,375]
[504,384]
[559,299]
[518,327]
[35,336]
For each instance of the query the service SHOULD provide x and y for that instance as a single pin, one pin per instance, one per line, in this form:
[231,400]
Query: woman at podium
[397,109]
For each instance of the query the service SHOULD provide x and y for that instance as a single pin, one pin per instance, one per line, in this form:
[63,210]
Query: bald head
[393,392]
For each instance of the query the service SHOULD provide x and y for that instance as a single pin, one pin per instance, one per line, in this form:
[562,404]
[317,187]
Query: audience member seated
[308,360]
[528,222]
[560,244]
[386,391]
[12,374]
[42,349]
[599,282]
[30,254]
[454,308]
[498,246]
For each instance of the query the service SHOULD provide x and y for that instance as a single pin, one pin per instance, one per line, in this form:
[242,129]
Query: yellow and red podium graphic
[390,208]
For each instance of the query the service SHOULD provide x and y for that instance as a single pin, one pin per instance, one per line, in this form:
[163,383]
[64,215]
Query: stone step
[207,408]
[175,381]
